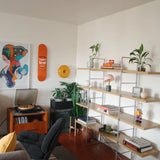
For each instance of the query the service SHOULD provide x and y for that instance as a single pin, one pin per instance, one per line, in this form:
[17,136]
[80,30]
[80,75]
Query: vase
[144,94]
[90,63]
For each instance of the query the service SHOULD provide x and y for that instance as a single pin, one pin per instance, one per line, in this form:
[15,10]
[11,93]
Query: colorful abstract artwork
[14,65]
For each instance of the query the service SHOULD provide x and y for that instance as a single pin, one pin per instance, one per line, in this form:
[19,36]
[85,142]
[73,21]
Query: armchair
[18,154]
[40,146]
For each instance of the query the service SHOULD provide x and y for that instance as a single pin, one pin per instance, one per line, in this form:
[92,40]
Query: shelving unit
[121,116]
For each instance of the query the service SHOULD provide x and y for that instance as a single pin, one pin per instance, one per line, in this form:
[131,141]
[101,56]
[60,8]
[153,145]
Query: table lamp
[108,78]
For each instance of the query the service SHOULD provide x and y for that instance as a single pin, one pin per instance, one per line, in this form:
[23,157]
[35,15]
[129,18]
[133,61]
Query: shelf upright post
[119,105]
[88,103]
[135,103]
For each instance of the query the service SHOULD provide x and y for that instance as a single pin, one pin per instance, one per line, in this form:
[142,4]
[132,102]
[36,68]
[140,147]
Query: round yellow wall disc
[63,71]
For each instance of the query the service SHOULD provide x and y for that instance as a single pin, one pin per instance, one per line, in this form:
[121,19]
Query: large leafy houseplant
[68,90]
[58,93]
[140,57]
[71,90]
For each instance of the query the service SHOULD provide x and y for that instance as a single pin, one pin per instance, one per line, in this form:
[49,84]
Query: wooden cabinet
[120,116]
[37,122]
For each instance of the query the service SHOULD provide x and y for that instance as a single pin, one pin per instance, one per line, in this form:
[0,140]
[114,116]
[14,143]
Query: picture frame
[14,65]
[136,92]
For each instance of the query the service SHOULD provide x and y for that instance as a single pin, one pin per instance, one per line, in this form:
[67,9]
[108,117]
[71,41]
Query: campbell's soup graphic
[42,63]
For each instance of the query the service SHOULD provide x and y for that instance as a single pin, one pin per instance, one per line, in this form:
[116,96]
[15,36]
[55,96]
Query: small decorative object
[83,97]
[107,129]
[144,94]
[140,57]
[42,62]
[139,115]
[136,92]
[63,71]
[94,49]
[108,78]
[86,83]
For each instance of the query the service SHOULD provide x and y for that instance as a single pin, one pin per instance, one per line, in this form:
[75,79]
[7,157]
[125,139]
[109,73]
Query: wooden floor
[77,145]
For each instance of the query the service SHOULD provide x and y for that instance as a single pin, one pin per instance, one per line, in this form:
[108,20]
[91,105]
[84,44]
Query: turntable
[25,101]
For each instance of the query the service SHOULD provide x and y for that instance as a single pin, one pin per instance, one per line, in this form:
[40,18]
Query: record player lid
[26,97]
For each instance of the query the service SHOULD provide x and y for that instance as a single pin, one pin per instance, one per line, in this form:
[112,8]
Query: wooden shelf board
[125,117]
[100,69]
[95,127]
[140,72]
[123,94]
[118,70]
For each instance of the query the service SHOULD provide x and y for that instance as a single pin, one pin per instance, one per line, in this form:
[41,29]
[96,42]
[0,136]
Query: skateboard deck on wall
[42,62]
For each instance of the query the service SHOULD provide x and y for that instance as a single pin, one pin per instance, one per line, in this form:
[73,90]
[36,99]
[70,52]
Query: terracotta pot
[142,69]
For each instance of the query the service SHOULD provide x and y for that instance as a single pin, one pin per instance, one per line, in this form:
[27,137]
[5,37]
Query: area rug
[61,153]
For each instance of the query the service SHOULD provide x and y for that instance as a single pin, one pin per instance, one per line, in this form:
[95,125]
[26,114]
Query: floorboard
[77,146]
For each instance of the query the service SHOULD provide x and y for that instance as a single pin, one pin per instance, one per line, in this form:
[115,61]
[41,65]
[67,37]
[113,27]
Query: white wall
[118,35]
[61,41]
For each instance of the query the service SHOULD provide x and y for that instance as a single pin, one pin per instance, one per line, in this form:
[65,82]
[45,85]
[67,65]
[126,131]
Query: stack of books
[19,120]
[111,66]
[138,144]
[109,109]
[91,120]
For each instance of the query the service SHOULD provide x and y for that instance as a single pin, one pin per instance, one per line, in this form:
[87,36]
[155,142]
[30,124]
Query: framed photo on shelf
[136,92]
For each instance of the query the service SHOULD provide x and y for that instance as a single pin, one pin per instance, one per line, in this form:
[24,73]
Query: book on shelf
[138,144]
[111,66]
[110,109]
[91,120]
[143,149]
[19,120]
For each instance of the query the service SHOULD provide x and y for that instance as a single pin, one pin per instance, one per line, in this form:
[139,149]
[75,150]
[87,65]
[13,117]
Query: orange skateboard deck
[42,62]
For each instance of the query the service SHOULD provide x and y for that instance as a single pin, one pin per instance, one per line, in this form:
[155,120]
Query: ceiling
[68,11]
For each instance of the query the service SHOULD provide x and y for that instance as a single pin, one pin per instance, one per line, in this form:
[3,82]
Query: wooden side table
[37,122]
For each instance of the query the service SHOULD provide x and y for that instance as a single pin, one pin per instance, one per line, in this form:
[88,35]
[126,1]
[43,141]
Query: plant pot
[61,104]
[141,69]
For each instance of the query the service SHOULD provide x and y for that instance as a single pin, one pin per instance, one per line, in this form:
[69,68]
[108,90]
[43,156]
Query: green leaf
[144,54]
[132,60]
[136,50]
[97,47]
[132,54]
[141,49]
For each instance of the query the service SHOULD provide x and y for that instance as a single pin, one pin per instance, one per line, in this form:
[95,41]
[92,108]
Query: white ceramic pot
[144,95]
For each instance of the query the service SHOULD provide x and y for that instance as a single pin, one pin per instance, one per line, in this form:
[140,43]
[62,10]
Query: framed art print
[14,65]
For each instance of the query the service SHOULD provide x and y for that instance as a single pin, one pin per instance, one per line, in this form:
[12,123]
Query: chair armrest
[18,154]
[29,135]
[15,155]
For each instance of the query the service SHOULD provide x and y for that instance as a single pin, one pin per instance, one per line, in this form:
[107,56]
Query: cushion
[8,143]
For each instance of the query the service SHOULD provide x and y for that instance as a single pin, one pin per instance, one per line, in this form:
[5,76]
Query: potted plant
[68,90]
[140,57]
[95,49]
[77,110]
[72,92]
[58,94]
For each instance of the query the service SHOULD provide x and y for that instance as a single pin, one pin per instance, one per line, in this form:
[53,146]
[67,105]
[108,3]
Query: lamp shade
[108,78]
